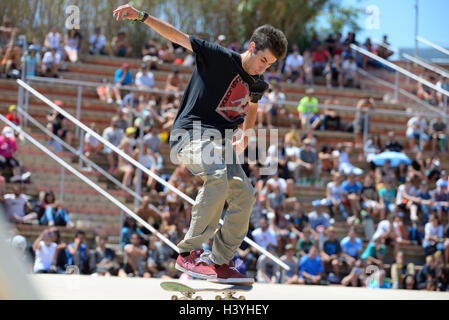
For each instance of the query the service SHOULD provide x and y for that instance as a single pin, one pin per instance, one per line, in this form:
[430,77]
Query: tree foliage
[234,18]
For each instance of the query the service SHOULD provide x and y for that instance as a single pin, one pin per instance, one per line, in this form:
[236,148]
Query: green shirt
[308,105]
[304,245]
[370,251]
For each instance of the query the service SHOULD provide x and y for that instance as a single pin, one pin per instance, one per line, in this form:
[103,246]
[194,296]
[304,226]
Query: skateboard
[188,292]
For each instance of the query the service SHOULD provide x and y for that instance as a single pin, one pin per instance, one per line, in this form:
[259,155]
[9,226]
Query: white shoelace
[204,257]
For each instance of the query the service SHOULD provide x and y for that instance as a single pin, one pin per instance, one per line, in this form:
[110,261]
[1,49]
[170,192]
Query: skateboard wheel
[174,297]
[217,297]
[198,298]
[242,298]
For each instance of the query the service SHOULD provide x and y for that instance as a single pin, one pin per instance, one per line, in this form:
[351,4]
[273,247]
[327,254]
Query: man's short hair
[267,36]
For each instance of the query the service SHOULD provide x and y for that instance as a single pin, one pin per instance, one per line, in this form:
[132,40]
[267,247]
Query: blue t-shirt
[81,250]
[354,188]
[422,195]
[127,80]
[352,249]
[311,266]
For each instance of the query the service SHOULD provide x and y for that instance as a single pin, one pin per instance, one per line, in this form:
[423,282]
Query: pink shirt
[7,147]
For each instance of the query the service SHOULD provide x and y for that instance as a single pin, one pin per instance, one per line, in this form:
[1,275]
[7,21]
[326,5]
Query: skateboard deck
[188,292]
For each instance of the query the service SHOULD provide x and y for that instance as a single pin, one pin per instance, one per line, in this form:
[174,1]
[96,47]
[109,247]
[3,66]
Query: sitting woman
[56,215]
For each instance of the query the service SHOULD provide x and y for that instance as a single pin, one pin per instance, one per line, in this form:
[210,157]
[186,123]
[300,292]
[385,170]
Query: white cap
[221,37]
[8,132]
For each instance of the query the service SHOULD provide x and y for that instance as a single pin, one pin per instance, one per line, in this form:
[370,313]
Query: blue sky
[397,19]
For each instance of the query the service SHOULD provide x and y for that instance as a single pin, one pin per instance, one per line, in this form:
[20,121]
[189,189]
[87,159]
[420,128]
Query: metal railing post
[396,86]
[78,108]
[81,150]
[138,186]
[61,185]
[27,101]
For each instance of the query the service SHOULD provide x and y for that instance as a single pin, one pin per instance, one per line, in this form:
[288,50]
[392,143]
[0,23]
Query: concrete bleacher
[91,211]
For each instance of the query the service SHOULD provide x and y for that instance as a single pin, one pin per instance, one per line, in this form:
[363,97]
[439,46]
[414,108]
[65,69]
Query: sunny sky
[397,19]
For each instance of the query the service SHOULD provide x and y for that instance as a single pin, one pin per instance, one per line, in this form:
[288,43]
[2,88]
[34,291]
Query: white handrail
[137,164]
[426,65]
[89,182]
[433,45]
[399,69]
[284,102]
[86,159]
[407,94]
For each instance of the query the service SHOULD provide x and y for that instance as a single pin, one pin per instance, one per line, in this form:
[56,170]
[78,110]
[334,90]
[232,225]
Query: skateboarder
[222,95]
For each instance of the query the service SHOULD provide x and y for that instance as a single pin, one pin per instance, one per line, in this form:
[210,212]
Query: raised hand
[126,12]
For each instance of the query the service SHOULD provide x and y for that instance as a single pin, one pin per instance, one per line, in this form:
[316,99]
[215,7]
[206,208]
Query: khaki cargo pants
[222,182]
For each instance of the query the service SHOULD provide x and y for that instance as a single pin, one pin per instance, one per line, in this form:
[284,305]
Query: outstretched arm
[163,28]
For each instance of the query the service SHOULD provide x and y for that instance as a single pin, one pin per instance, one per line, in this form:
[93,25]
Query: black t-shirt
[219,91]
[332,247]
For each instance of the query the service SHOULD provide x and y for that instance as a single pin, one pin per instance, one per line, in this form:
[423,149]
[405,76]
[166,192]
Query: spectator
[385,172]
[330,255]
[379,281]
[392,144]
[326,159]
[308,110]
[123,77]
[57,124]
[387,194]
[426,277]
[351,247]
[48,200]
[354,278]
[71,46]
[399,270]
[438,134]
[144,78]
[263,236]
[344,165]
[104,91]
[319,221]
[332,72]
[173,82]
[409,282]
[374,253]
[124,166]
[8,148]
[385,230]
[405,195]
[416,128]
[298,218]
[33,62]
[384,50]
[44,249]
[349,72]
[91,144]
[353,189]
[120,45]
[308,68]
[330,119]
[440,197]
[273,75]
[304,244]
[166,52]
[56,215]
[276,97]
[7,32]
[135,254]
[50,63]
[18,208]
[78,253]
[362,119]
[335,194]
[294,66]
[370,198]
[433,236]
[311,269]
[423,201]
[105,258]
[307,164]
[114,135]
[97,42]
[320,56]
[53,40]
[290,276]
[61,259]
[150,48]
[424,92]
[443,83]
[267,270]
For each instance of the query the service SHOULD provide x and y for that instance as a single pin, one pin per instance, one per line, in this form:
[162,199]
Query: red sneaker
[228,274]
[196,264]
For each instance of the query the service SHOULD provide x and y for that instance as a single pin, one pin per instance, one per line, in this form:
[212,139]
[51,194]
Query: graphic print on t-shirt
[235,102]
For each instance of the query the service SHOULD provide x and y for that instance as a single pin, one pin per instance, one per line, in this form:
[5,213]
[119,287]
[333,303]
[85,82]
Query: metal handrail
[137,164]
[283,102]
[399,69]
[436,112]
[426,65]
[91,163]
[89,182]
[433,45]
